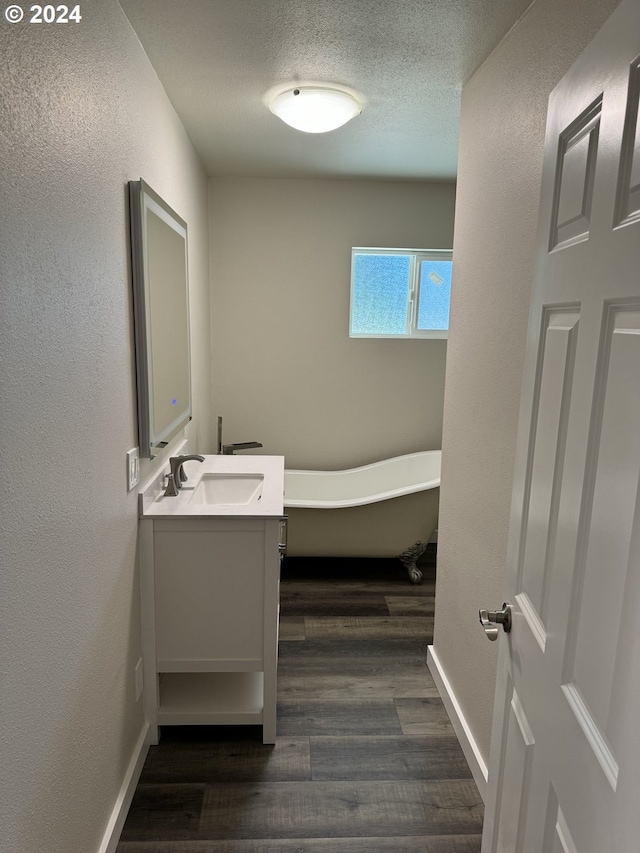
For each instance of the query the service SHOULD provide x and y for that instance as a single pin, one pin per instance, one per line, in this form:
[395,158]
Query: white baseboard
[476,762]
[125,795]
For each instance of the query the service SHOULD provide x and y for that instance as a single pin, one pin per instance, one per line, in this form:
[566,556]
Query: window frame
[413,292]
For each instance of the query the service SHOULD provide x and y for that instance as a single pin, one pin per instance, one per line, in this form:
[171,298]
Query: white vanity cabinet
[210,607]
[211,594]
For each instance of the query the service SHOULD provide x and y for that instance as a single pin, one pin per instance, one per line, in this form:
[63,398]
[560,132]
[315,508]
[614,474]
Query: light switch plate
[139,679]
[133,468]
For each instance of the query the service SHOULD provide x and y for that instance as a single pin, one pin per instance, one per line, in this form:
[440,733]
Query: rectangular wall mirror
[161,315]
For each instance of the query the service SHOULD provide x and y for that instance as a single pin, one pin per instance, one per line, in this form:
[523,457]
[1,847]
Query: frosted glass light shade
[315,109]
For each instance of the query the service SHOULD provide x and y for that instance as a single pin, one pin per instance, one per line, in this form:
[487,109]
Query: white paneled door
[565,758]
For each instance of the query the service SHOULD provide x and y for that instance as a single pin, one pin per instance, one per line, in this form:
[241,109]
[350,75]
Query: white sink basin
[226,489]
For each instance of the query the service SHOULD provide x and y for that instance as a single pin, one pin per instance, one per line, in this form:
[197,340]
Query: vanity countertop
[153,503]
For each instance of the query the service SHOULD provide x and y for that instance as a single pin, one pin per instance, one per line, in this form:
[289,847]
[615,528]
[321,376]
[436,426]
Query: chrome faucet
[230,449]
[177,476]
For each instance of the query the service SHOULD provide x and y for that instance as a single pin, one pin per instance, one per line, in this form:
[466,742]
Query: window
[400,293]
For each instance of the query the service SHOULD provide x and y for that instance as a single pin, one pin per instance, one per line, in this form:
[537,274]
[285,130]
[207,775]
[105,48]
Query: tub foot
[409,560]
[415,576]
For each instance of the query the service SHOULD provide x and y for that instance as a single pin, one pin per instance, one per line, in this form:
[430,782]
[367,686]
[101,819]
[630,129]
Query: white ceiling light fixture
[314,107]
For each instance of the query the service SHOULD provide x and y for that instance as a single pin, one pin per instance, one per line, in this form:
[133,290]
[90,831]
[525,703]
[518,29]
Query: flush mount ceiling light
[314,107]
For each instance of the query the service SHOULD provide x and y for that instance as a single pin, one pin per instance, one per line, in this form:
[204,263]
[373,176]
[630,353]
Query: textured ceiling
[409,58]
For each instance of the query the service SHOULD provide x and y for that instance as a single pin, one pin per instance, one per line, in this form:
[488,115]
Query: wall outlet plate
[133,468]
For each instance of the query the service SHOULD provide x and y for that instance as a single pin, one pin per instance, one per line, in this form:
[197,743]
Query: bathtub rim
[306,503]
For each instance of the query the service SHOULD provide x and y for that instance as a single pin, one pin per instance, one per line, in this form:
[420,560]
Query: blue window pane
[435,295]
[379,294]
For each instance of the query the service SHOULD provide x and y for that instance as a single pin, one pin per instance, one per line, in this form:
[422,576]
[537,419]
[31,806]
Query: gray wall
[285,371]
[82,113]
[500,161]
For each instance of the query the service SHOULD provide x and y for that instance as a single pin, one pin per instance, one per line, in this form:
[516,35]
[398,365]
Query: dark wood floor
[366,760]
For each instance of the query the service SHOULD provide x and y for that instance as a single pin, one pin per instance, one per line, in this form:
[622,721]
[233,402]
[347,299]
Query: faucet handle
[171,490]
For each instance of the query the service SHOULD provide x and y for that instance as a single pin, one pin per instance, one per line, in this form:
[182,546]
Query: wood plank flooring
[366,760]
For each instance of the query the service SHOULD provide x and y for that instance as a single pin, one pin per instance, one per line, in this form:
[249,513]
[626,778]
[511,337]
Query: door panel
[551,406]
[565,761]
[575,170]
[628,202]
[519,751]
[558,837]
[613,473]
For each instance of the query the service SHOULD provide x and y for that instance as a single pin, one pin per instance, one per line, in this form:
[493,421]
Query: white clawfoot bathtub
[376,510]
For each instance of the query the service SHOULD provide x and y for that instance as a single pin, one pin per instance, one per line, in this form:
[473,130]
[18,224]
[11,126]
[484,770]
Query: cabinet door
[209,589]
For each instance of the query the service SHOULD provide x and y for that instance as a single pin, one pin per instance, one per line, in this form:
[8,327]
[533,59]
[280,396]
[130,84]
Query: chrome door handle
[490,619]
